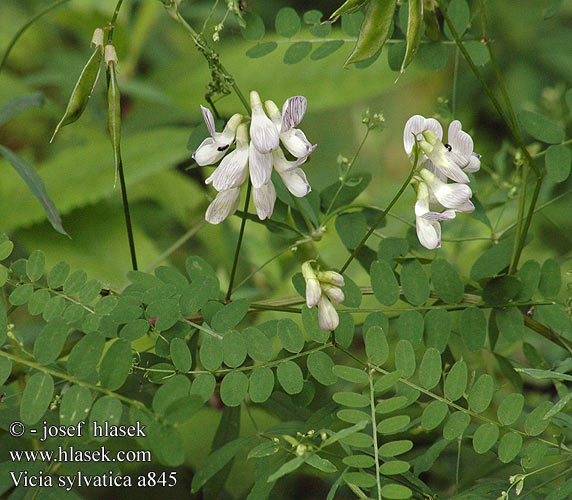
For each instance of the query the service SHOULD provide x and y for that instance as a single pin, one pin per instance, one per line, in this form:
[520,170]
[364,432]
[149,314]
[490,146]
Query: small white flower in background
[256,156]
[438,200]
[213,148]
[322,289]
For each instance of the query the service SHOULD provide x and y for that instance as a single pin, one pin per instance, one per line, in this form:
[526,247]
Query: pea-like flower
[437,199]
[257,154]
[452,159]
[322,289]
[213,148]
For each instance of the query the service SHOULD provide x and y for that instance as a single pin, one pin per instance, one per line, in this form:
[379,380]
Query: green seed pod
[348,7]
[374,30]
[414,30]
[85,84]
[113,105]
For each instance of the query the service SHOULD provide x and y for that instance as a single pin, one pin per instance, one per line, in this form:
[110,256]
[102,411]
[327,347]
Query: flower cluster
[257,156]
[321,288]
[438,200]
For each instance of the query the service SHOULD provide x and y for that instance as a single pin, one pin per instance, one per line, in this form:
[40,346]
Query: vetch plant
[407,359]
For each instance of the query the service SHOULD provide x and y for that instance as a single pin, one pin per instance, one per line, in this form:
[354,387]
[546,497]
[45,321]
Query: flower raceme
[322,289]
[257,153]
[437,199]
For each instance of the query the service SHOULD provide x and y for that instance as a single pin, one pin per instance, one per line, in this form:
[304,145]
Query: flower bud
[313,292]
[331,277]
[334,293]
[110,54]
[263,132]
[97,38]
[301,450]
[327,315]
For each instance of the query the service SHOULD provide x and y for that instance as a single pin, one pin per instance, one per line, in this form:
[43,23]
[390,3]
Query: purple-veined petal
[474,164]
[296,182]
[260,166]
[209,120]
[415,125]
[292,112]
[224,205]
[297,144]
[264,198]
[263,132]
[232,171]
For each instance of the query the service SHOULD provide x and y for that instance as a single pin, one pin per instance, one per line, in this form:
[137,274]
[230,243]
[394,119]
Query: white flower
[327,315]
[426,221]
[224,205]
[428,133]
[233,169]
[294,139]
[456,196]
[313,290]
[213,148]
[260,166]
[291,174]
[462,143]
[262,131]
[334,293]
[264,198]
[331,277]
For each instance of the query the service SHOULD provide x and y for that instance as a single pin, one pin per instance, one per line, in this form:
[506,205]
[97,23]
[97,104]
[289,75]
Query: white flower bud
[97,38]
[110,55]
[263,132]
[313,292]
[331,277]
[327,315]
[301,450]
[334,293]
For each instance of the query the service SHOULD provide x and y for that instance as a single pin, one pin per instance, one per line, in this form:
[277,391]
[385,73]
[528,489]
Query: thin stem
[175,246]
[526,227]
[73,380]
[202,328]
[274,257]
[458,465]
[455,77]
[348,170]
[239,242]
[381,217]
[543,152]
[125,202]
[374,434]
[113,20]
[23,29]
[519,218]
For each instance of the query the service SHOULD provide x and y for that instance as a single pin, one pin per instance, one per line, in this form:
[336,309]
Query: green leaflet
[374,30]
[82,90]
[414,31]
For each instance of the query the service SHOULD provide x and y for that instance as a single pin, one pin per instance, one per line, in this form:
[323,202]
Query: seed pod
[348,7]
[113,105]
[414,30]
[374,30]
[84,86]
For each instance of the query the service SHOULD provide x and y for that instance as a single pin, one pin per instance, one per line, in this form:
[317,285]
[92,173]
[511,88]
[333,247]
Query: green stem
[239,242]
[374,434]
[381,217]
[113,20]
[543,152]
[22,30]
[452,404]
[348,170]
[274,257]
[175,246]
[519,218]
[455,77]
[73,380]
[128,224]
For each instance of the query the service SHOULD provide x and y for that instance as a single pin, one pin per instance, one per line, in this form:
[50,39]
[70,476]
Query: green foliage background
[163,79]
